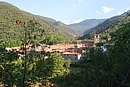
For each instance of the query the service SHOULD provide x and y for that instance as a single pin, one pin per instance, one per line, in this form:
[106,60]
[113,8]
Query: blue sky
[73,11]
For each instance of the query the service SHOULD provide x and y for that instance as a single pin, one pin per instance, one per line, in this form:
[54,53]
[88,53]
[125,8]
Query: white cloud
[128,8]
[80,0]
[98,12]
[73,5]
[66,21]
[107,9]
[79,20]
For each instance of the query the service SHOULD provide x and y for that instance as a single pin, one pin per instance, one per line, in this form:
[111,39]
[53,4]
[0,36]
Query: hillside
[108,27]
[9,30]
[86,25]
[66,29]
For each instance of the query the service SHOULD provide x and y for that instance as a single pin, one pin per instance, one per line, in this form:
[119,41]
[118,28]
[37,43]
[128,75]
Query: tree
[30,27]
[12,73]
[111,69]
[120,56]
[53,39]
[54,64]
[12,43]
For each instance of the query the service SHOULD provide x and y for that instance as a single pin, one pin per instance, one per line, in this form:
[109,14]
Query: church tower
[96,38]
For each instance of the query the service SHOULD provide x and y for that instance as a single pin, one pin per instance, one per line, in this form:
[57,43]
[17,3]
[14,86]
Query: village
[74,52]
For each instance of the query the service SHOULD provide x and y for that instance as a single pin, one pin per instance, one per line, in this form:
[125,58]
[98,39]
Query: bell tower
[96,38]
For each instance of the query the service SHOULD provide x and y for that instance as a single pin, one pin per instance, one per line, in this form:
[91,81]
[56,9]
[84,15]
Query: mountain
[86,25]
[66,29]
[109,26]
[9,30]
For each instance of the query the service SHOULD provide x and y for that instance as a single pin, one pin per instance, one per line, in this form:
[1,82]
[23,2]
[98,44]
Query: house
[73,55]
[67,51]
[59,48]
[88,43]
[74,52]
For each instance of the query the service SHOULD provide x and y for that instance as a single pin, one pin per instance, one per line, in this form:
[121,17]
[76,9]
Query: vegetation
[37,69]
[102,69]
[111,68]
[55,39]
[108,27]
[10,43]
[98,69]
[67,30]
[9,30]
[86,25]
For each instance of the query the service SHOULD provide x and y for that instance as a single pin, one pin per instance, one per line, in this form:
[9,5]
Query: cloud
[128,8]
[66,21]
[79,20]
[80,0]
[107,9]
[73,5]
[98,12]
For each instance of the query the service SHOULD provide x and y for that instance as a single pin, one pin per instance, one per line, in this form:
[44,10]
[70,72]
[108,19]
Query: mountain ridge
[9,30]
[107,28]
[60,25]
[86,24]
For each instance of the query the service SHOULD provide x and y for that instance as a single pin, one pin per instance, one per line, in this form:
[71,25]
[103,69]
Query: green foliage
[120,54]
[9,14]
[41,70]
[109,69]
[13,69]
[108,27]
[12,43]
[53,39]
[12,72]
[37,69]
[64,28]
[67,63]
[55,64]
[75,78]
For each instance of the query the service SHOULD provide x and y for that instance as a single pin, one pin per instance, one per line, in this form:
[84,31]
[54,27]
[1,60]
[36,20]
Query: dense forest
[9,14]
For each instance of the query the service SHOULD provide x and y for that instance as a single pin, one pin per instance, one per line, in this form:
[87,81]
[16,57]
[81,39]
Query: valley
[38,51]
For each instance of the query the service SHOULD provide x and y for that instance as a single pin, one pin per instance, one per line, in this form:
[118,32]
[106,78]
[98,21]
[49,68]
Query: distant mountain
[86,25]
[9,30]
[66,29]
[109,26]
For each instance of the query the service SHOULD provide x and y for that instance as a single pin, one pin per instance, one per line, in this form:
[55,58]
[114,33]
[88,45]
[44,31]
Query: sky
[73,11]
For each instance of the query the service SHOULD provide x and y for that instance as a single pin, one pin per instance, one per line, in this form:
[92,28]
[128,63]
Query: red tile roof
[62,46]
[85,41]
[71,52]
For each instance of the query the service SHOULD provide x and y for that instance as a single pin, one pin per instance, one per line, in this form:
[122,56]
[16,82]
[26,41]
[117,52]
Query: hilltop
[108,27]
[85,25]
[58,24]
[9,30]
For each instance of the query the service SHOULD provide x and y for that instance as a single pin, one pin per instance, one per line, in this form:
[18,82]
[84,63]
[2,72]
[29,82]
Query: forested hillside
[108,27]
[66,29]
[9,30]
[86,25]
